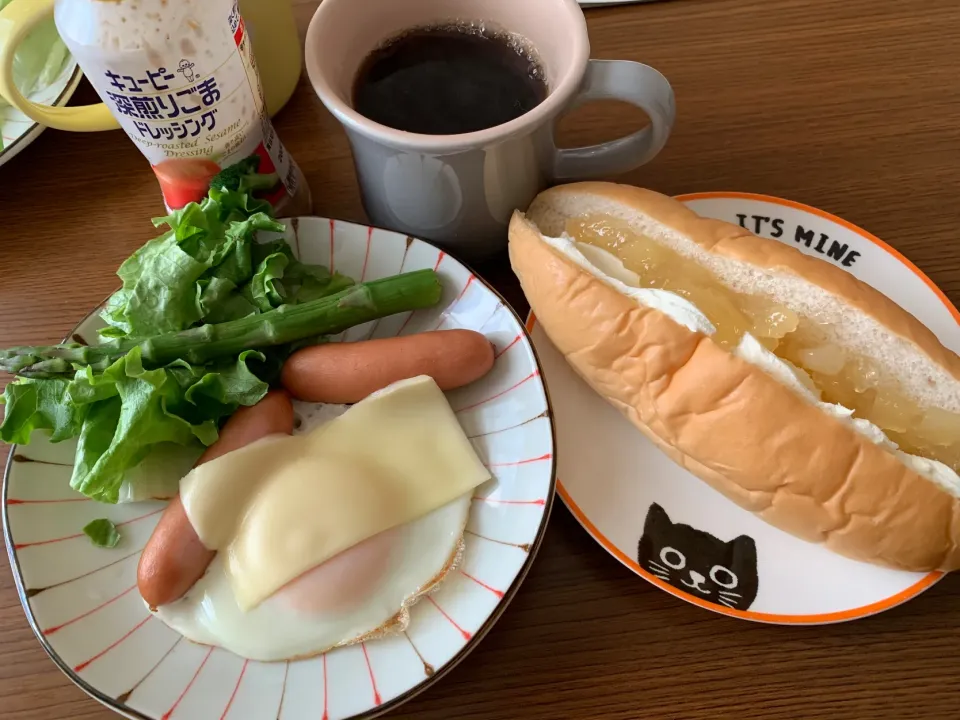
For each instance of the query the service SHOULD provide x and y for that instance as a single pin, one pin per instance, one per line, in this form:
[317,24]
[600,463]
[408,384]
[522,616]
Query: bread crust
[747,435]
[736,243]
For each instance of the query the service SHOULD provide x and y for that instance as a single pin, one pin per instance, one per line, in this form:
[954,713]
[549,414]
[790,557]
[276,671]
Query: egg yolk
[343,580]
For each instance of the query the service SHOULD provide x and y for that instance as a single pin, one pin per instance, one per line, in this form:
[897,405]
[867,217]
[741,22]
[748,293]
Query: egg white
[420,553]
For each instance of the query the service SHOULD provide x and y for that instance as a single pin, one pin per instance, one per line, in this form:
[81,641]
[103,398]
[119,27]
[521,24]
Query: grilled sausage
[174,557]
[348,372]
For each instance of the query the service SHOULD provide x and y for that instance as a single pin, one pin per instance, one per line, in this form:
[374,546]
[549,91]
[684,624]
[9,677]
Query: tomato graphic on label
[185,180]
[194,108]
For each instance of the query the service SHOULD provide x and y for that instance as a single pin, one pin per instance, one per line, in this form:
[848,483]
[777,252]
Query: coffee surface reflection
[448,80]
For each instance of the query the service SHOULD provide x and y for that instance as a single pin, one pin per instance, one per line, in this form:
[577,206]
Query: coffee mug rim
[552,105]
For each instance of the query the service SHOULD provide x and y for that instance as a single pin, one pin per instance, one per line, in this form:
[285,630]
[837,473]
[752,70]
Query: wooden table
[849,106]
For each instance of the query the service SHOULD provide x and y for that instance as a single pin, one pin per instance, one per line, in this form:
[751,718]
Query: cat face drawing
[697,563]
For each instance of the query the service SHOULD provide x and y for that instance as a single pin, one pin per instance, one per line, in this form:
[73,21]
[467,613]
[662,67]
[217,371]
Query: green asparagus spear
[329,315]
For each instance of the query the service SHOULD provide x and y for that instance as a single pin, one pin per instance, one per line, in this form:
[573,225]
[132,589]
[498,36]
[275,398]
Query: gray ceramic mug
[460,190]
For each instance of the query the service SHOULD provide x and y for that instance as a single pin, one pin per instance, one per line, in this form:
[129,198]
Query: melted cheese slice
[284,504]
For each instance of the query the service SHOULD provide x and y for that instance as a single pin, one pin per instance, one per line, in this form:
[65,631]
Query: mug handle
[16,20]
[638,85]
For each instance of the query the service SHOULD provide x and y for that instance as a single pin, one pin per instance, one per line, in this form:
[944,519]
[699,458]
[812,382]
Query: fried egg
[359,594]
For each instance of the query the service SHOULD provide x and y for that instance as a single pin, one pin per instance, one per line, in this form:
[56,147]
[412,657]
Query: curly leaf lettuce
[281,279]
[38,405]
[138,427]
[209,268]
[158,475]
[265,290]
[124,413]
[167,283]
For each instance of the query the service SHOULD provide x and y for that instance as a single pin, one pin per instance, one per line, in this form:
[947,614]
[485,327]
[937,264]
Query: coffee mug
[460,190]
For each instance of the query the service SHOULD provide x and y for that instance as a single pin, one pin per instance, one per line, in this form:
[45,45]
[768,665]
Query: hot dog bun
[736,415]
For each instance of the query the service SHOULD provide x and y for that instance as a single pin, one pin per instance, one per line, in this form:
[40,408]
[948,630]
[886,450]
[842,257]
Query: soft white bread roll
[740,418]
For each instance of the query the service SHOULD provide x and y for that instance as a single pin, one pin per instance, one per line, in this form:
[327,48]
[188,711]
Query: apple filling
[839,376]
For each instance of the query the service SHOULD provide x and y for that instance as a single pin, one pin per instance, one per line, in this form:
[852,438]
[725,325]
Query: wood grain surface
[849,106]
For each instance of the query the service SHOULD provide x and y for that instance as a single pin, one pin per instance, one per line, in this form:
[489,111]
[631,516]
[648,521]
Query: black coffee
[448,80]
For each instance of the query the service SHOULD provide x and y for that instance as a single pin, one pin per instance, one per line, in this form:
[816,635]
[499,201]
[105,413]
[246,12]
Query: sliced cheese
[283,505]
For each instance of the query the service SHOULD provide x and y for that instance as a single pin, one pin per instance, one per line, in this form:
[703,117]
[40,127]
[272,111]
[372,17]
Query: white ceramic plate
[611,477]
[83,604]
[17,129]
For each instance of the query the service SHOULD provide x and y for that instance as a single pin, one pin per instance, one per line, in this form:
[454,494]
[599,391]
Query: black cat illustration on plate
[696,562]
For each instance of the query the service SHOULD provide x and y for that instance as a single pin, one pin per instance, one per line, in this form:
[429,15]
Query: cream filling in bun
[756,354]
[608,268]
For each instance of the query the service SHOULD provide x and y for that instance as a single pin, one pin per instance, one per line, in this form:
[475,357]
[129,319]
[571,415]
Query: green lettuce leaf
[38,405]
[179,404]
[220,300]
[215,391]
[163,299]
[120,429]
[238,204]
[102,533]
[266,291]
[208,267]
[245,176]
[291,282]
[158,475]
[194,272]
[125,412]
[313,287]
[96,438]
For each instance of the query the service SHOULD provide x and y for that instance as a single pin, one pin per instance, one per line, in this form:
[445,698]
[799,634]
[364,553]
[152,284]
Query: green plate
[17,129]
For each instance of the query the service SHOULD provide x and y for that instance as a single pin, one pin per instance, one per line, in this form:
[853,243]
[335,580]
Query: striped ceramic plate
[83,604]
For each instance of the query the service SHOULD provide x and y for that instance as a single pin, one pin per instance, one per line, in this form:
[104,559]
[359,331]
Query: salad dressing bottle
[181,79]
